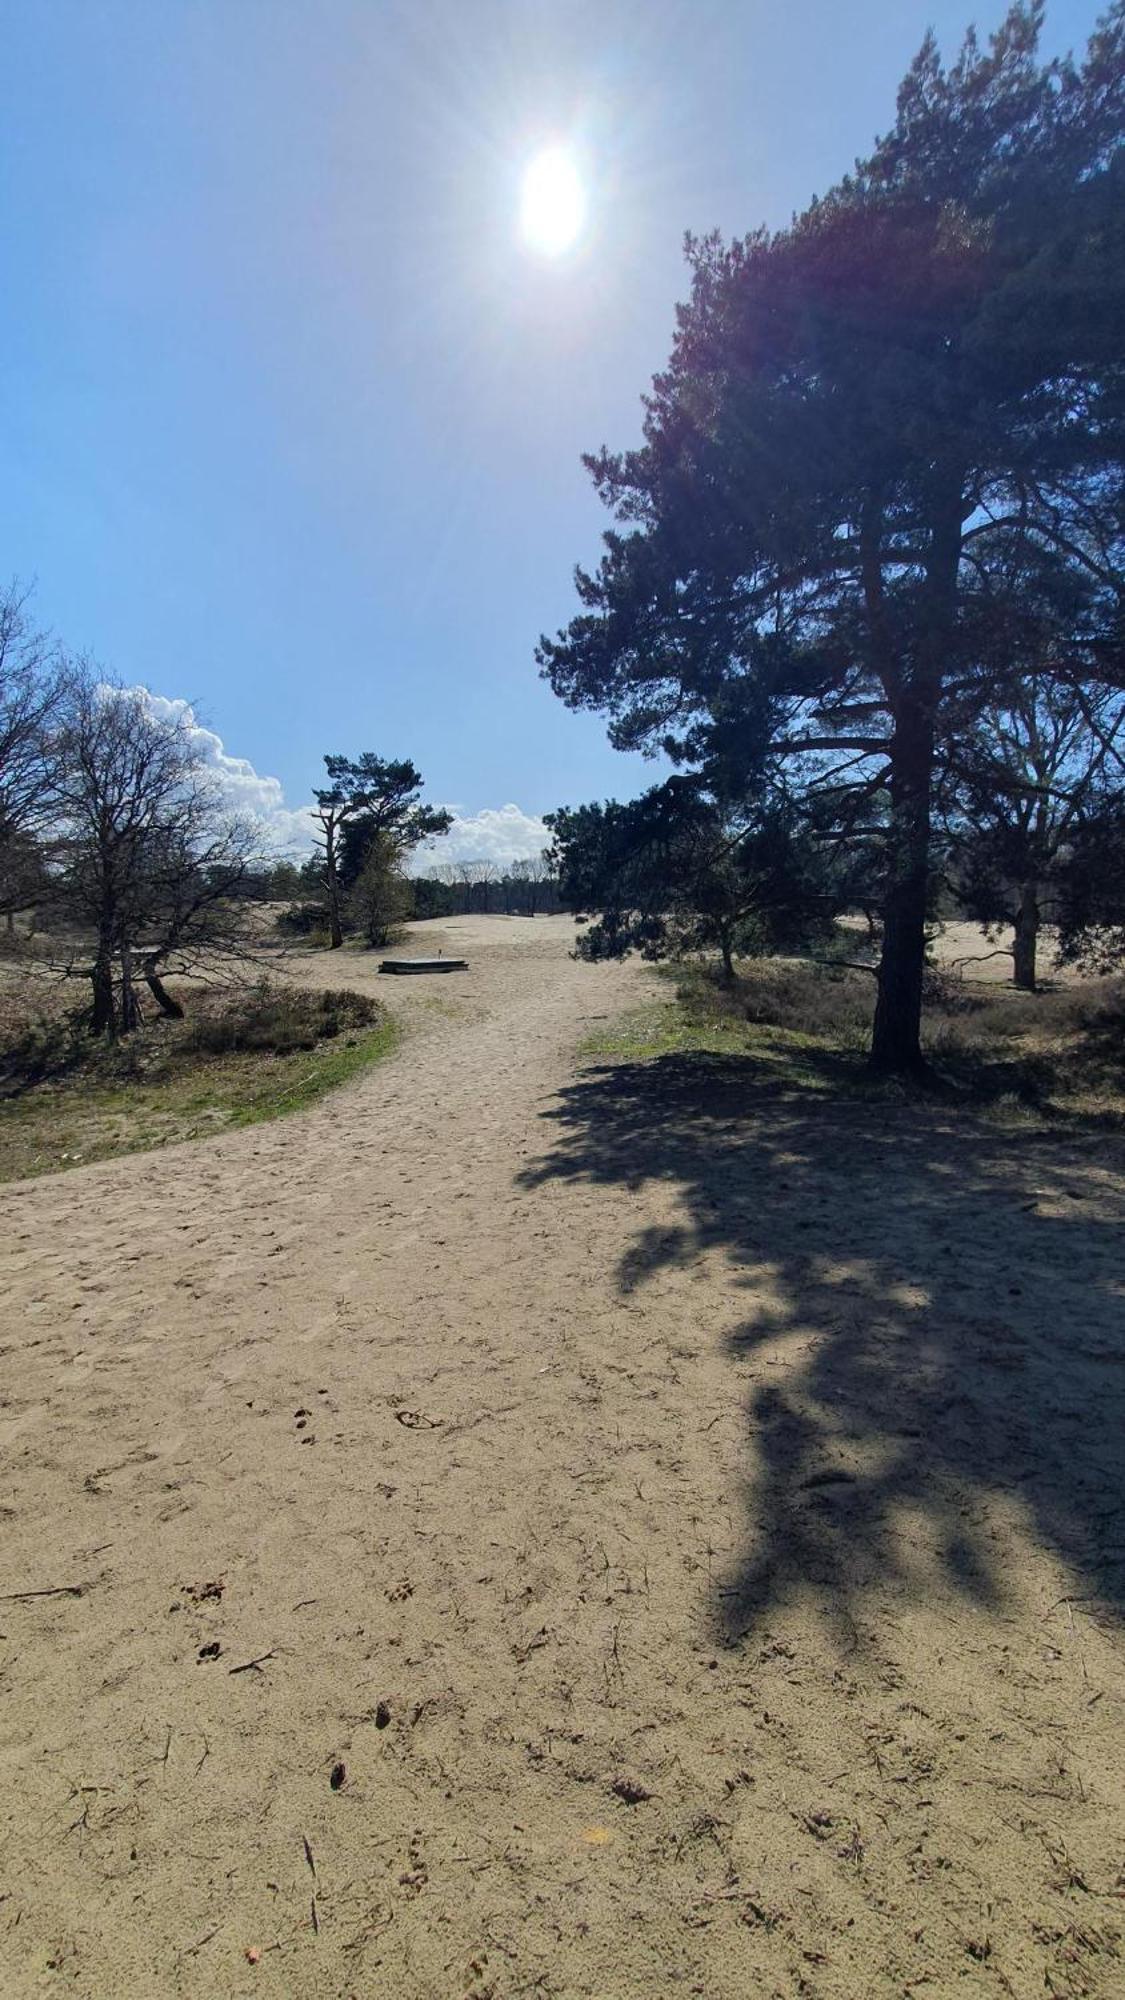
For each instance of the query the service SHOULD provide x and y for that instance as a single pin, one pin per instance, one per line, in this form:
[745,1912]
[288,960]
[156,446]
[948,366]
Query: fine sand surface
[684,1517]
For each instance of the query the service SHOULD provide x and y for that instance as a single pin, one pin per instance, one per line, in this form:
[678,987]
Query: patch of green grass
[308,1077]
[91,1113]
[673,1027]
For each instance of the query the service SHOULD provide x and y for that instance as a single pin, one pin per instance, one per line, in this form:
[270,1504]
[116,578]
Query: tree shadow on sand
[935,1330]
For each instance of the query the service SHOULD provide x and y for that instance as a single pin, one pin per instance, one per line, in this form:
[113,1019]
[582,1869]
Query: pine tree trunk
[896,1042]
[335,928]
[332,887]
[1026,939]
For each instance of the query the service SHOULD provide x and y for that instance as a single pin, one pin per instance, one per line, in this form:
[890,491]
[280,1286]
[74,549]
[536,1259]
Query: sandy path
[697,1549]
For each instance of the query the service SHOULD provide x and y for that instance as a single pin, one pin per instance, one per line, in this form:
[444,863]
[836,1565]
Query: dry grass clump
[1060,1051]
[829,1003]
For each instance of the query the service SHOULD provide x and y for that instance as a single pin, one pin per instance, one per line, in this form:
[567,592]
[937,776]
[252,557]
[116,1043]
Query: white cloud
[284,829]
[496,833]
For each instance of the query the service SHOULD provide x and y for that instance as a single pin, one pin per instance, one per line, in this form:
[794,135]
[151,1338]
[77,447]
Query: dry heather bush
[1034,1048]
[276,1019]
[41,1045]
[1098,1007]
[41,1038]
[303,920]
[826,1002]
[1092,1015]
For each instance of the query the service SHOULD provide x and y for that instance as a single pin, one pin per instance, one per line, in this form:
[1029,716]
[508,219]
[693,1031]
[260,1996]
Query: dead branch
[51,1590]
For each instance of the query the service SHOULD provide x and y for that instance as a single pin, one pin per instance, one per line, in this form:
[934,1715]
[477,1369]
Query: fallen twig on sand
[374,1929]
[257,1664]
[191,1949]
[52,1590]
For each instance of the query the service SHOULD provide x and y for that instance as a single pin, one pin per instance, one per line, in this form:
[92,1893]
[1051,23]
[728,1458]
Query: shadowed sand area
[690,1510]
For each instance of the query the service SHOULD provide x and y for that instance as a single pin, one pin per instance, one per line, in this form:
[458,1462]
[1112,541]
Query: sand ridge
[675,1531]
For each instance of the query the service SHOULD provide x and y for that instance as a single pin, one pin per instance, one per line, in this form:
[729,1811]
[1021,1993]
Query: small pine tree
[380,900]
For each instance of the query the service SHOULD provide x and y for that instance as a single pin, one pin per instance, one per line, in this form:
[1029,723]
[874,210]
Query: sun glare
[552,203]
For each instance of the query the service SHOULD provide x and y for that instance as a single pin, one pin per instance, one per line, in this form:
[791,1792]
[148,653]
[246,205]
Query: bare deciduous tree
[149,858]
[482,875]
[1022,783]
[539,872]
[33,681]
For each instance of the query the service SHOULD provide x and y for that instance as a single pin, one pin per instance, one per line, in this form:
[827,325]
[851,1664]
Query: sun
[552,202]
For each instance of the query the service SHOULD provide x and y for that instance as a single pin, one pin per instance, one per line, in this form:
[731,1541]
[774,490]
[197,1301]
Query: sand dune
[677,1523]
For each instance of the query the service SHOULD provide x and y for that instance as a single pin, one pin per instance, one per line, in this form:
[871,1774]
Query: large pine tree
[874,428]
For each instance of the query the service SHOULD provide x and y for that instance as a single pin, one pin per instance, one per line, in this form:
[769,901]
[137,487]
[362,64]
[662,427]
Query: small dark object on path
[630,1792]
[337,1776]
[205,1593]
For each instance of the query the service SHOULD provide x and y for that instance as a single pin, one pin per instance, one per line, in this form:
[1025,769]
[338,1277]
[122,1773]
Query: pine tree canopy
[883,434]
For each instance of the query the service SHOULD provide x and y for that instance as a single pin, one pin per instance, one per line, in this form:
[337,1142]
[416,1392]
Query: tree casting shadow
[949,1295]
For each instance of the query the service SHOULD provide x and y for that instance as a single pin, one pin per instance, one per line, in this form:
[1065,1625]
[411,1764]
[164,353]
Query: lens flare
[552,202]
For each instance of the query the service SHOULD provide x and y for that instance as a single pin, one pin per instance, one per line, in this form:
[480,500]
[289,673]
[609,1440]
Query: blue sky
[291,415]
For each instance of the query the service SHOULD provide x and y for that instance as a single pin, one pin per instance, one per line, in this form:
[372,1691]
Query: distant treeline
[524,888]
